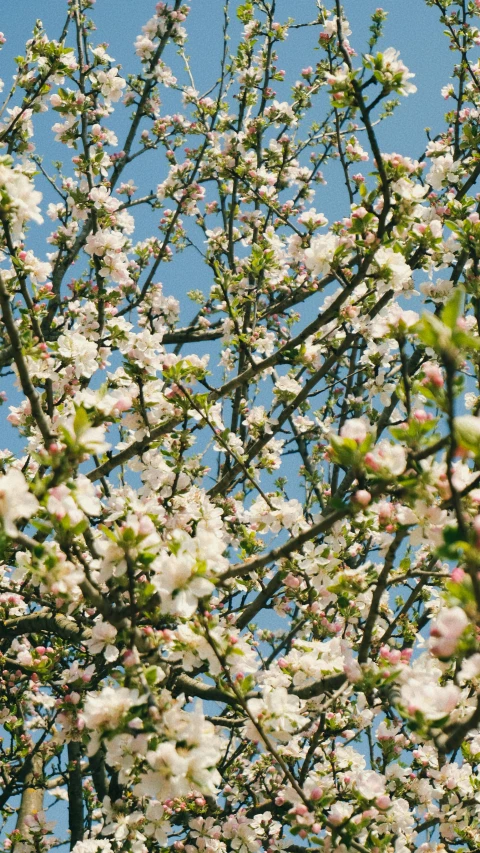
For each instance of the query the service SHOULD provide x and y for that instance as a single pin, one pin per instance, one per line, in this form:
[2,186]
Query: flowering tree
[240,590]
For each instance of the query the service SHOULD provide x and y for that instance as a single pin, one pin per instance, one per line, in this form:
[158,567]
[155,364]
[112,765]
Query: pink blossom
[446,631]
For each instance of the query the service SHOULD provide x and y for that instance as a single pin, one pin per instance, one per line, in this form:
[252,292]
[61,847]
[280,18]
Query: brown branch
[380,588]
[296,542]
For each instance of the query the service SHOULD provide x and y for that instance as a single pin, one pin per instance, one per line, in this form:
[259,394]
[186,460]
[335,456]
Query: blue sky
[412,27]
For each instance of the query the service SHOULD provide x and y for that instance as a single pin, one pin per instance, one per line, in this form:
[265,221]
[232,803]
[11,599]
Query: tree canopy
[239,528]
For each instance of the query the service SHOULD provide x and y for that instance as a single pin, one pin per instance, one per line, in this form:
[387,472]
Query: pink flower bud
[447,630]
[433,374]
[420,415]
[123,404]
[355,429]
[371,462]
[362,497]
[359,213]
[457,575]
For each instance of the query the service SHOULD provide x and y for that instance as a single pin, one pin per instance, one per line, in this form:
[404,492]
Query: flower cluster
[240,519]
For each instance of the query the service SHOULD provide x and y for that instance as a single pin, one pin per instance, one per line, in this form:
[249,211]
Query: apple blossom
[16,500]
[446,630]
[239,508]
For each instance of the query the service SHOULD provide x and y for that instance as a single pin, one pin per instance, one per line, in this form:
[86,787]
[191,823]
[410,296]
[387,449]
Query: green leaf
[467,432]
[245,12]
[81,422]
[450,535]
[453,308]
[151,676]
[434,333]
[452,225]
